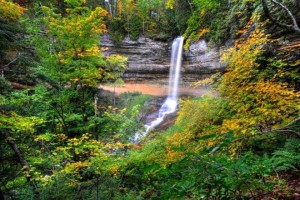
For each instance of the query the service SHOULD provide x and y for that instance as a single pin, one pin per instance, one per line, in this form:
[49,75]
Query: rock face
[202,60]
[150,60]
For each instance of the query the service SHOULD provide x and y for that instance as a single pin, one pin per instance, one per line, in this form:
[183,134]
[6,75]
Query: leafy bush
[135,25]
[116,31]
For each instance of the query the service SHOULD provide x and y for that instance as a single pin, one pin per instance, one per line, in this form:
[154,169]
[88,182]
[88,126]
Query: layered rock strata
[150,60]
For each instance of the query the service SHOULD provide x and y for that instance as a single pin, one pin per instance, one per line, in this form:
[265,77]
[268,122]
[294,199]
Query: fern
[287,158]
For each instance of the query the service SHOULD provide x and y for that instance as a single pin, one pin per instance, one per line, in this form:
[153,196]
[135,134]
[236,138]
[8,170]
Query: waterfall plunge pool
[154,89]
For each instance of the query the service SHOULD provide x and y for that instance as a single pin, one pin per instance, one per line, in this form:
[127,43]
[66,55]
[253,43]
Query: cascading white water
[171,102]
[175,67]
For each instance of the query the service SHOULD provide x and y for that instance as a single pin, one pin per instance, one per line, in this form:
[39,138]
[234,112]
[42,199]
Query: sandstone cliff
[150,60]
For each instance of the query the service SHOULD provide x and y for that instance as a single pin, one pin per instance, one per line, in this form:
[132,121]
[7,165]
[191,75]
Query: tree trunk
[23,162]
[2,197]
[61,5]
[114,96]
[17,152]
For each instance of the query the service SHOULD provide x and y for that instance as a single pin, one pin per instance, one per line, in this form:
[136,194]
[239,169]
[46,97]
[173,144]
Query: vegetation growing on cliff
[60,139]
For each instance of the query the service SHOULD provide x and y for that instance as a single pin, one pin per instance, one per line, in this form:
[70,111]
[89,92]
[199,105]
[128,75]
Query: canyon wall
[150,60]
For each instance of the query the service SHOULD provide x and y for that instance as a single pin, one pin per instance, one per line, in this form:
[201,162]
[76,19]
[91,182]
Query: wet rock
[153,108]
[167,123]
[152,113]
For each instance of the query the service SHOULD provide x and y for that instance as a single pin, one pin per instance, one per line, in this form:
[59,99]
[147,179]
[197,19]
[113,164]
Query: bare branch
[7,65]
[286,129]
[268,14]
[295,120]
[11,62]
[293,27]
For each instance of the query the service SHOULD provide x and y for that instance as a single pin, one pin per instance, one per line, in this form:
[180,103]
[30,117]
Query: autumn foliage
[259,102]
[62,138]
[10,11]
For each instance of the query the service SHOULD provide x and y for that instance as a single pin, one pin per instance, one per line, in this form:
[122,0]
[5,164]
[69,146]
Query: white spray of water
[171,102]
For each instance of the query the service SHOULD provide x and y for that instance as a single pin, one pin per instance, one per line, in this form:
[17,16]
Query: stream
[172,91]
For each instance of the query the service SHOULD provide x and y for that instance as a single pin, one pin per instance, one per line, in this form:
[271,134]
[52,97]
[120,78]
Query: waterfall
[174,74]
[170,104]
